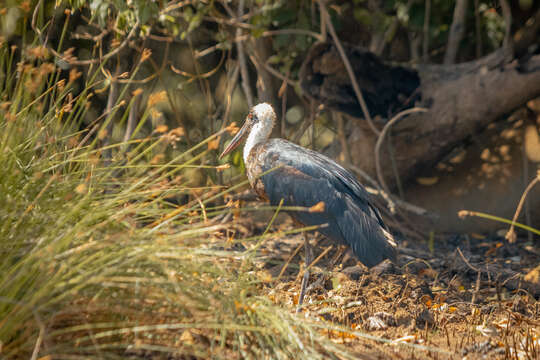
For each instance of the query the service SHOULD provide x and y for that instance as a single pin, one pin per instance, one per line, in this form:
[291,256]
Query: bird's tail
[391,248]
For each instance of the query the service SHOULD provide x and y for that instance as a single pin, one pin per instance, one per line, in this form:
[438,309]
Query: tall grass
[97,258]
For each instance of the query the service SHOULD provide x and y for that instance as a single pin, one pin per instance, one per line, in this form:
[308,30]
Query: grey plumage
[303,178]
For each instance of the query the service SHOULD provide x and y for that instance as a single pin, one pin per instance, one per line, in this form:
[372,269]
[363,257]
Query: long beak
[236,140]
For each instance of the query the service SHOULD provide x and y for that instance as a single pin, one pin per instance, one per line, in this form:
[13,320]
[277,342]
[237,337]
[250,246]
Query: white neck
[258,134]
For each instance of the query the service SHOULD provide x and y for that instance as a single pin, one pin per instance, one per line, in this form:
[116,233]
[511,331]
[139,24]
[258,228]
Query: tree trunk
[462,100]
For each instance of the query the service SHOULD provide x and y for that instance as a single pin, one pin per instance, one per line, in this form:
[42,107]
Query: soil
[464,298]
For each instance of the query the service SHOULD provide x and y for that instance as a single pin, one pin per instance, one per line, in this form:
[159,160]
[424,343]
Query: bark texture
[462,100]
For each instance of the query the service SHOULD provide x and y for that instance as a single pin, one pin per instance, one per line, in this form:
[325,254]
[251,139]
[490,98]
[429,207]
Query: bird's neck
[257,135]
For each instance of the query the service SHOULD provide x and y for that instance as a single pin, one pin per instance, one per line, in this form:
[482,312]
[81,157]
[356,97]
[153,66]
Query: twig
[511,235]
[467,261]
[313,34]
[231,21]
[391,200]
[176,6]
[348,66]
[289,261]
[390,31]
[477,289]
[111,100]
[34,18]
[221,46]
[314,262]
[101,58]
[525,161]
[39,340]
[457,30]
[231,86]
[324,34]
[378,190]
[283,94]
[265,87]
[464,213]
[380,140]
[258,62]
[303,127]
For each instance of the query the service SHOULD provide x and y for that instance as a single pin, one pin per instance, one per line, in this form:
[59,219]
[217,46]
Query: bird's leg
[305,279]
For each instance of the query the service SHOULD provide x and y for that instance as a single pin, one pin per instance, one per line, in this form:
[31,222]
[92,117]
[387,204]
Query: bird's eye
[252,116]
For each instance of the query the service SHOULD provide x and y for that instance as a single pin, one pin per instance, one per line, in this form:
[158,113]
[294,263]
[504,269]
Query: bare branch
[242,60]
[272,71]
[348,66]
[510,235]
[380,140]
[101,58]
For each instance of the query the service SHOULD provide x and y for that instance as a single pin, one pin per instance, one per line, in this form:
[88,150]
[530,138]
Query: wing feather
[303,178]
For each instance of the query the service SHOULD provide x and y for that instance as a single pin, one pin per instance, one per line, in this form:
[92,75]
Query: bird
[289,175]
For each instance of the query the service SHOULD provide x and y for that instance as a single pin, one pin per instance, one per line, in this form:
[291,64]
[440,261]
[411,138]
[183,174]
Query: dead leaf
[186,337]
[318,207]
[459,157]
[161,128]
[406,339]
[156,98]
[478,236]
[282,89]
[232,129]
[81,188]
[532,143]
[427,181]
[213,144]
[179,131]
[487,330]
[137,91]
[157,159]
[533,275]
[426,300]
[485,154]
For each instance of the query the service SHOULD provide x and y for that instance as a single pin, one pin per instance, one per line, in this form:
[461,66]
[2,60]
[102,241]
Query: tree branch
[242,60]
[457,30]
[348,66]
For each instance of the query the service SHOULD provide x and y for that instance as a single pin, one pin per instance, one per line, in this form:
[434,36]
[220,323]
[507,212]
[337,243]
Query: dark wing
[305,177]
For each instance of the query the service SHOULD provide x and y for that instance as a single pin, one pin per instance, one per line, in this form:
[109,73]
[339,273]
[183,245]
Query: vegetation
[118,236]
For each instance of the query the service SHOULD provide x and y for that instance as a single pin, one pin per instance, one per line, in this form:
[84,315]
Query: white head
[258,127]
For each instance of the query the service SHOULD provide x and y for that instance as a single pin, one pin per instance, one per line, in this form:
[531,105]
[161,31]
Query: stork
[304,178]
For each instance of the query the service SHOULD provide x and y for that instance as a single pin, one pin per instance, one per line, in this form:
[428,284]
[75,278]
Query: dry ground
[465,298]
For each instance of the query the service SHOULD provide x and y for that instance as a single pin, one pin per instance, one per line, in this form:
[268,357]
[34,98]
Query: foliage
[98,259]
[114,246]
